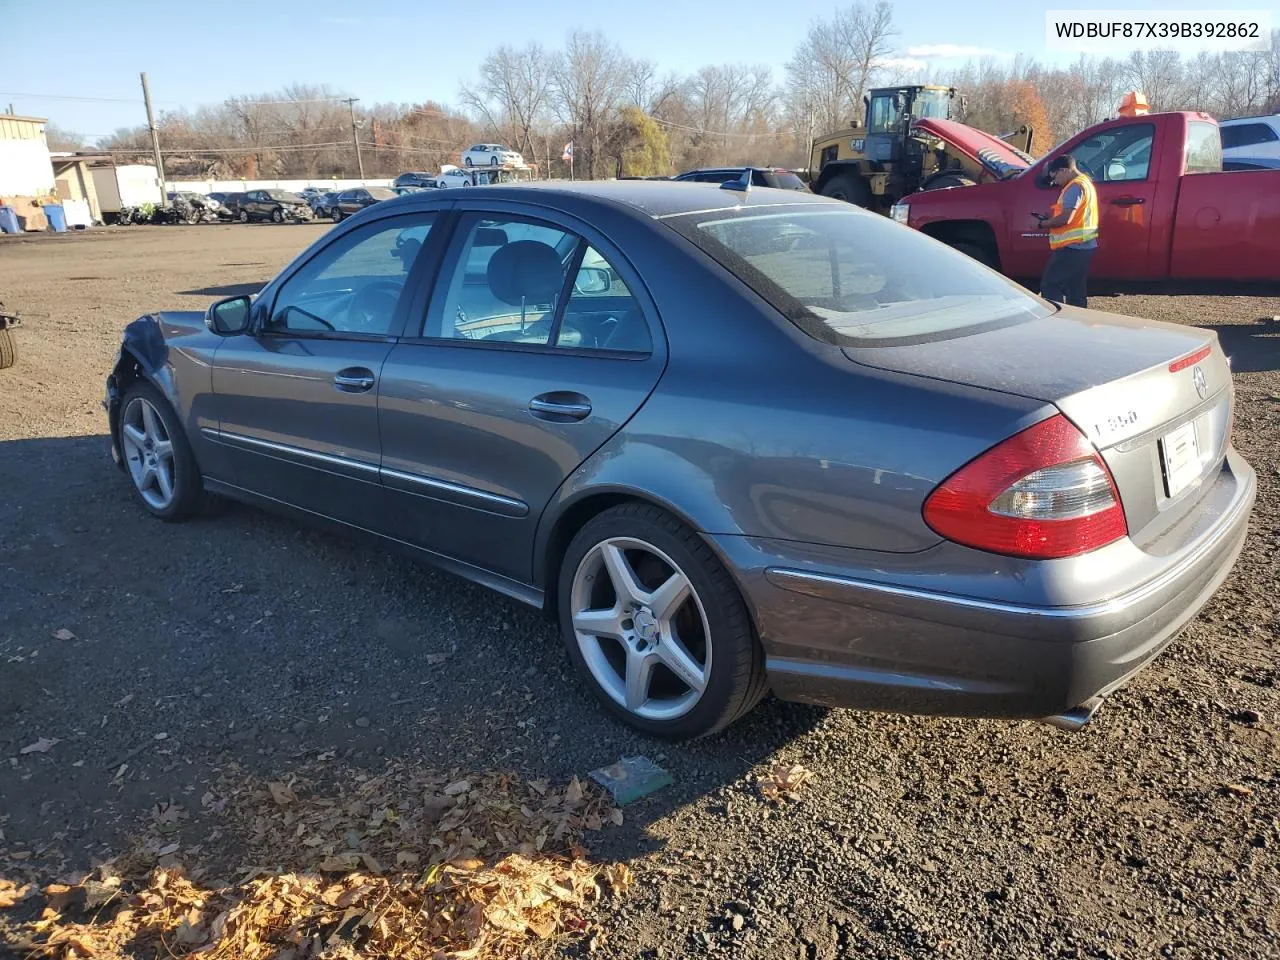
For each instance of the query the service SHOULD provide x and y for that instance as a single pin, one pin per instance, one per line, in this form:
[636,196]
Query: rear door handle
[354,380]
[560,406]
[1128,201]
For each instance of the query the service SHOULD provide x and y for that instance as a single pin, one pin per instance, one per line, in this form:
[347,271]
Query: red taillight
[1190,360]
[1043,493]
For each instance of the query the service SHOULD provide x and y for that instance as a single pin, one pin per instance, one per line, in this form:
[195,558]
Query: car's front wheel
[656,625]
[244,216]
[277,215]
[157,456]
[337,215]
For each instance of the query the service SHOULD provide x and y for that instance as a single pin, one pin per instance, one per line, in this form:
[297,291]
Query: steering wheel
[372,306]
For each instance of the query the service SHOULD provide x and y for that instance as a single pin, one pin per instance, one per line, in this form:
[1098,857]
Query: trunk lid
[1154,398]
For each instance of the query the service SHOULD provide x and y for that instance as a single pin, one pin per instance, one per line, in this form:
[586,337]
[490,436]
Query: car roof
[652,198]
[1270,119]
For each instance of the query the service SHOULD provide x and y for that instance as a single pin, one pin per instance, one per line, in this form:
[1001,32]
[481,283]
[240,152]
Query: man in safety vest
[1073,234]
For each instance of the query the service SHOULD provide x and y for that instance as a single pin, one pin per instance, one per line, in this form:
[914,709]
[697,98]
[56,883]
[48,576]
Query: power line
[710,133]
[55,96]
[247,148]
[236,100]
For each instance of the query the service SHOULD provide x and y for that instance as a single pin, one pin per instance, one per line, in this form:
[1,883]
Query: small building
[25,166]
[74,180]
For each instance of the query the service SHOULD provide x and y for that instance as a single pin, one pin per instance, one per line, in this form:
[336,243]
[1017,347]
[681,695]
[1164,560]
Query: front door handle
[1129,201]
[560,406]
[354,380]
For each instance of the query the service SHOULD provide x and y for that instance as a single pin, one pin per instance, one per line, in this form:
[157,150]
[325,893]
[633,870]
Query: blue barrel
[9,220]
[57,218]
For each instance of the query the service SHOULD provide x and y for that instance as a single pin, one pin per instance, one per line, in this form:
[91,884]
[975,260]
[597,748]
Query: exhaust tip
[1077,718]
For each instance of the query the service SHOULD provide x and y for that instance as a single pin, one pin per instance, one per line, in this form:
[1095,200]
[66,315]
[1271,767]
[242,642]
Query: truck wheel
[977,251]
[8,349]
[848,187]
[943,180]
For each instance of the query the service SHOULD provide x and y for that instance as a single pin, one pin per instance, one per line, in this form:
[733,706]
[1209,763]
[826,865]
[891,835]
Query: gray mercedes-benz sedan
[732,440]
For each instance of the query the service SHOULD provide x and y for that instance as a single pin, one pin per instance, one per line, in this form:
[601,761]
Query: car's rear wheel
[157,456]
[8,349]
[656,625]
[277,215]
[337,215]
[493,161]
[244,216]
[467,161]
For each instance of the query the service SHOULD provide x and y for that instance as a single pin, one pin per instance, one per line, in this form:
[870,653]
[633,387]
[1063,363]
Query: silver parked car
[730,439]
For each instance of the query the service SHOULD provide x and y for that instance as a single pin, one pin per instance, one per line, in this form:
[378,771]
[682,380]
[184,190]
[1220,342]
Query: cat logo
[857,144]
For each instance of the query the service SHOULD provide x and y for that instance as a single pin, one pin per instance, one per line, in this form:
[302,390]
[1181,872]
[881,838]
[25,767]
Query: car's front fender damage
[143,355]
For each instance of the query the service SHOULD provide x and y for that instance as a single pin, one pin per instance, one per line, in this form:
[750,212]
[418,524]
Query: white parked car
[491,155]
[1250,137]
[453,177]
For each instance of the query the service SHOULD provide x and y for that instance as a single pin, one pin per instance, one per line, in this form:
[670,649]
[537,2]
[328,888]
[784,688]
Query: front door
[297,398]
[538,345]
[1120,161]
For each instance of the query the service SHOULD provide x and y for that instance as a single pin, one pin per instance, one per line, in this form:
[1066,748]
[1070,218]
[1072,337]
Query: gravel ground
[245,639]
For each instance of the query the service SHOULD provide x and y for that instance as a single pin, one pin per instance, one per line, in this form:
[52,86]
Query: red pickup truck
[1167,210]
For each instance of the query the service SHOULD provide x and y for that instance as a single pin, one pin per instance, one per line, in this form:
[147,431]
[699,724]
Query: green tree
[639,145]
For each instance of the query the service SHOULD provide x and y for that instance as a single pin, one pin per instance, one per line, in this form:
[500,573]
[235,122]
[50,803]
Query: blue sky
[422,50]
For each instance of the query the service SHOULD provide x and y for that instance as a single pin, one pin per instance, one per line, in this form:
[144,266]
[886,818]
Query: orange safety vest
[1083,225]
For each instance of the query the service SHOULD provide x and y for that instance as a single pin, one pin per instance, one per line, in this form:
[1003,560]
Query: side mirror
[229,317]
[591,280]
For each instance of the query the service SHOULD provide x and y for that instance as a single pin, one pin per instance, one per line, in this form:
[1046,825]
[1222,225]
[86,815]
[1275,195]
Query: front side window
[849,278]
[1204,147]
[353,285]
[1119,154]
[883,115]
[527,282]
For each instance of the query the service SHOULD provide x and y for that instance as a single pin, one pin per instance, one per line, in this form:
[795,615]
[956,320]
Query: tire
[244,215]
[848,187]
[277,215]
[337,215]
[977,251]
[493,161]
[708,632]
[8,349]
[186,486]
[466,162]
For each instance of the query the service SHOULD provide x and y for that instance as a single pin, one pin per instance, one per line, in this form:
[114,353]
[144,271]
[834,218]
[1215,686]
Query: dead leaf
[1237,790]
[63,634]
[341,863]
[783,781]
[406,858]
[573,793]
[619,876]
[43,745]
[281,793]
[11,894]
[615,817]
[457,788]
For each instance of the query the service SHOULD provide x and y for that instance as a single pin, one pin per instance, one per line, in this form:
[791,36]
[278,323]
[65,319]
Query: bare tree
[511,94]
[588,83]
[833,68]
[61,139]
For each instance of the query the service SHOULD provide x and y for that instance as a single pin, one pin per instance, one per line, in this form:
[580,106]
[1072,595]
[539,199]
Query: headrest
[489,237]
[525,272]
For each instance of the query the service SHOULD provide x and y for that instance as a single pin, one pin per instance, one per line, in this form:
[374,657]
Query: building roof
[14,116]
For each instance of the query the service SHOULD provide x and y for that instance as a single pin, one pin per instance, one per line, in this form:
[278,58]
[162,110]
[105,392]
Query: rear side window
[1247,135]
[1204,147]
[788,180]
[847,277]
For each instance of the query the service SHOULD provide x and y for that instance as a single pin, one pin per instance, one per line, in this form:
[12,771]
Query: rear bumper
[850,638]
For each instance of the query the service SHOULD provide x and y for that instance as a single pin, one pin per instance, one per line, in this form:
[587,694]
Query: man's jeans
[1066,276]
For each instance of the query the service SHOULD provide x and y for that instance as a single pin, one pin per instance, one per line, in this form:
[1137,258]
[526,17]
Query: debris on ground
[631,778]
[404,864]
[783,781]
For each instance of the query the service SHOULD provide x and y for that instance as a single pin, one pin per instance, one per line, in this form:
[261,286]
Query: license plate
[1181,459]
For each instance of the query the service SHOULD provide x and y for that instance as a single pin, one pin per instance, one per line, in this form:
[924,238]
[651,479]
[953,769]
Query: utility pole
[155,141]
[355,135]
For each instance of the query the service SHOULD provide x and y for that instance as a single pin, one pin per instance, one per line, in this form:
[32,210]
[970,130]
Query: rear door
[538,344]
[297,399]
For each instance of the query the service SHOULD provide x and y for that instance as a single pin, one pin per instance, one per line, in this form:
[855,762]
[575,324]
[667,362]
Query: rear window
[847,277]
[381,193]
[789,181]
[1204,147]
[1247,135]
[284,195]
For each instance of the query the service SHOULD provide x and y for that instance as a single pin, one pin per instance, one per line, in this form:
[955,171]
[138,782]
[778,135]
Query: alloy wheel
[641,628]
[148,450]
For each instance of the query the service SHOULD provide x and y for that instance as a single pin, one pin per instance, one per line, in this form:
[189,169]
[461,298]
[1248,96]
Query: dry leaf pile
[783,781]
[401,865]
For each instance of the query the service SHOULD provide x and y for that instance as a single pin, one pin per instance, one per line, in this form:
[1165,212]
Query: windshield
[935,104]
[381,193]
[847,277]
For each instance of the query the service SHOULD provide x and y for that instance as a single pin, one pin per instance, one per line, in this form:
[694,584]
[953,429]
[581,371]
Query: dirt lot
[251,643]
